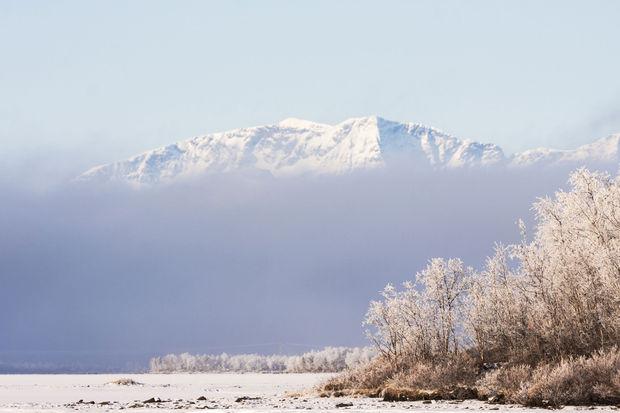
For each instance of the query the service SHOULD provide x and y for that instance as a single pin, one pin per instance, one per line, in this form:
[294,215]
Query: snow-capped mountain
[604,150]
[296,146]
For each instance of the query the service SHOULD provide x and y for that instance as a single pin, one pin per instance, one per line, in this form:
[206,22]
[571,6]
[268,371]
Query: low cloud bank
[236,261]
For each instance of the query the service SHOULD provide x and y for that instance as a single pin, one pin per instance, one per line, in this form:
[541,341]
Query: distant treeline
[330,359]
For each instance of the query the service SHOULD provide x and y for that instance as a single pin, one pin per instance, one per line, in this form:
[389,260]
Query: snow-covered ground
[249,392]
[59,392]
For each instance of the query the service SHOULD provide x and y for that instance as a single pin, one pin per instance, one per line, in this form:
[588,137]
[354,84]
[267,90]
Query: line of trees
[329,359]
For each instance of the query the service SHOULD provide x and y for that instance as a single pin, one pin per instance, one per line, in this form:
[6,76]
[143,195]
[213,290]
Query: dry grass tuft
[395,394]
[503,382]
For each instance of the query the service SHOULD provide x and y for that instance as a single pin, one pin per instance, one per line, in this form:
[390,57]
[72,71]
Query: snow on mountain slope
[296,146]
[604,150]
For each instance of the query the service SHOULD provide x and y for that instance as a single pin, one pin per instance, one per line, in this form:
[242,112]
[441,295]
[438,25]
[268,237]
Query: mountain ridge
[296,146]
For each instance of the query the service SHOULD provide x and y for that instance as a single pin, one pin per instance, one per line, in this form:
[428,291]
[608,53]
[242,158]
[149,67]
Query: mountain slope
[296,146]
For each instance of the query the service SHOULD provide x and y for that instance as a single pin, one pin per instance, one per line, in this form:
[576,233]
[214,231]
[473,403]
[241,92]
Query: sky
[85,83]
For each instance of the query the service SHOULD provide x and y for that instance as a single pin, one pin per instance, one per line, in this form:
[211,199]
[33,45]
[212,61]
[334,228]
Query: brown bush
[575,381]
[572,381]
[455,371]
[450,379]
[371,377]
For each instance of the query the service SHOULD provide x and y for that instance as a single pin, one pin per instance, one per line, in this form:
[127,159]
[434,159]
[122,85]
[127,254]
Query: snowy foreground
[249,392]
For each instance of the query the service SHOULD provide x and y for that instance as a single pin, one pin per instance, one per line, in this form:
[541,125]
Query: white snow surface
[266,393]
[296,146]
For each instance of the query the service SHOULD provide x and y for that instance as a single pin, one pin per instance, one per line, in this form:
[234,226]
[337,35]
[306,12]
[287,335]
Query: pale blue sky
[85,82]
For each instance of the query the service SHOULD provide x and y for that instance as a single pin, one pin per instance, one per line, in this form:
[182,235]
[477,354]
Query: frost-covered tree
[558,294]
[571,269]
[497,317]
[424,320]
[447,283]
[555,295]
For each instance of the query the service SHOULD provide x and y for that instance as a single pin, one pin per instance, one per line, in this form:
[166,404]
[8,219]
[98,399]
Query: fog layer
[103,278]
